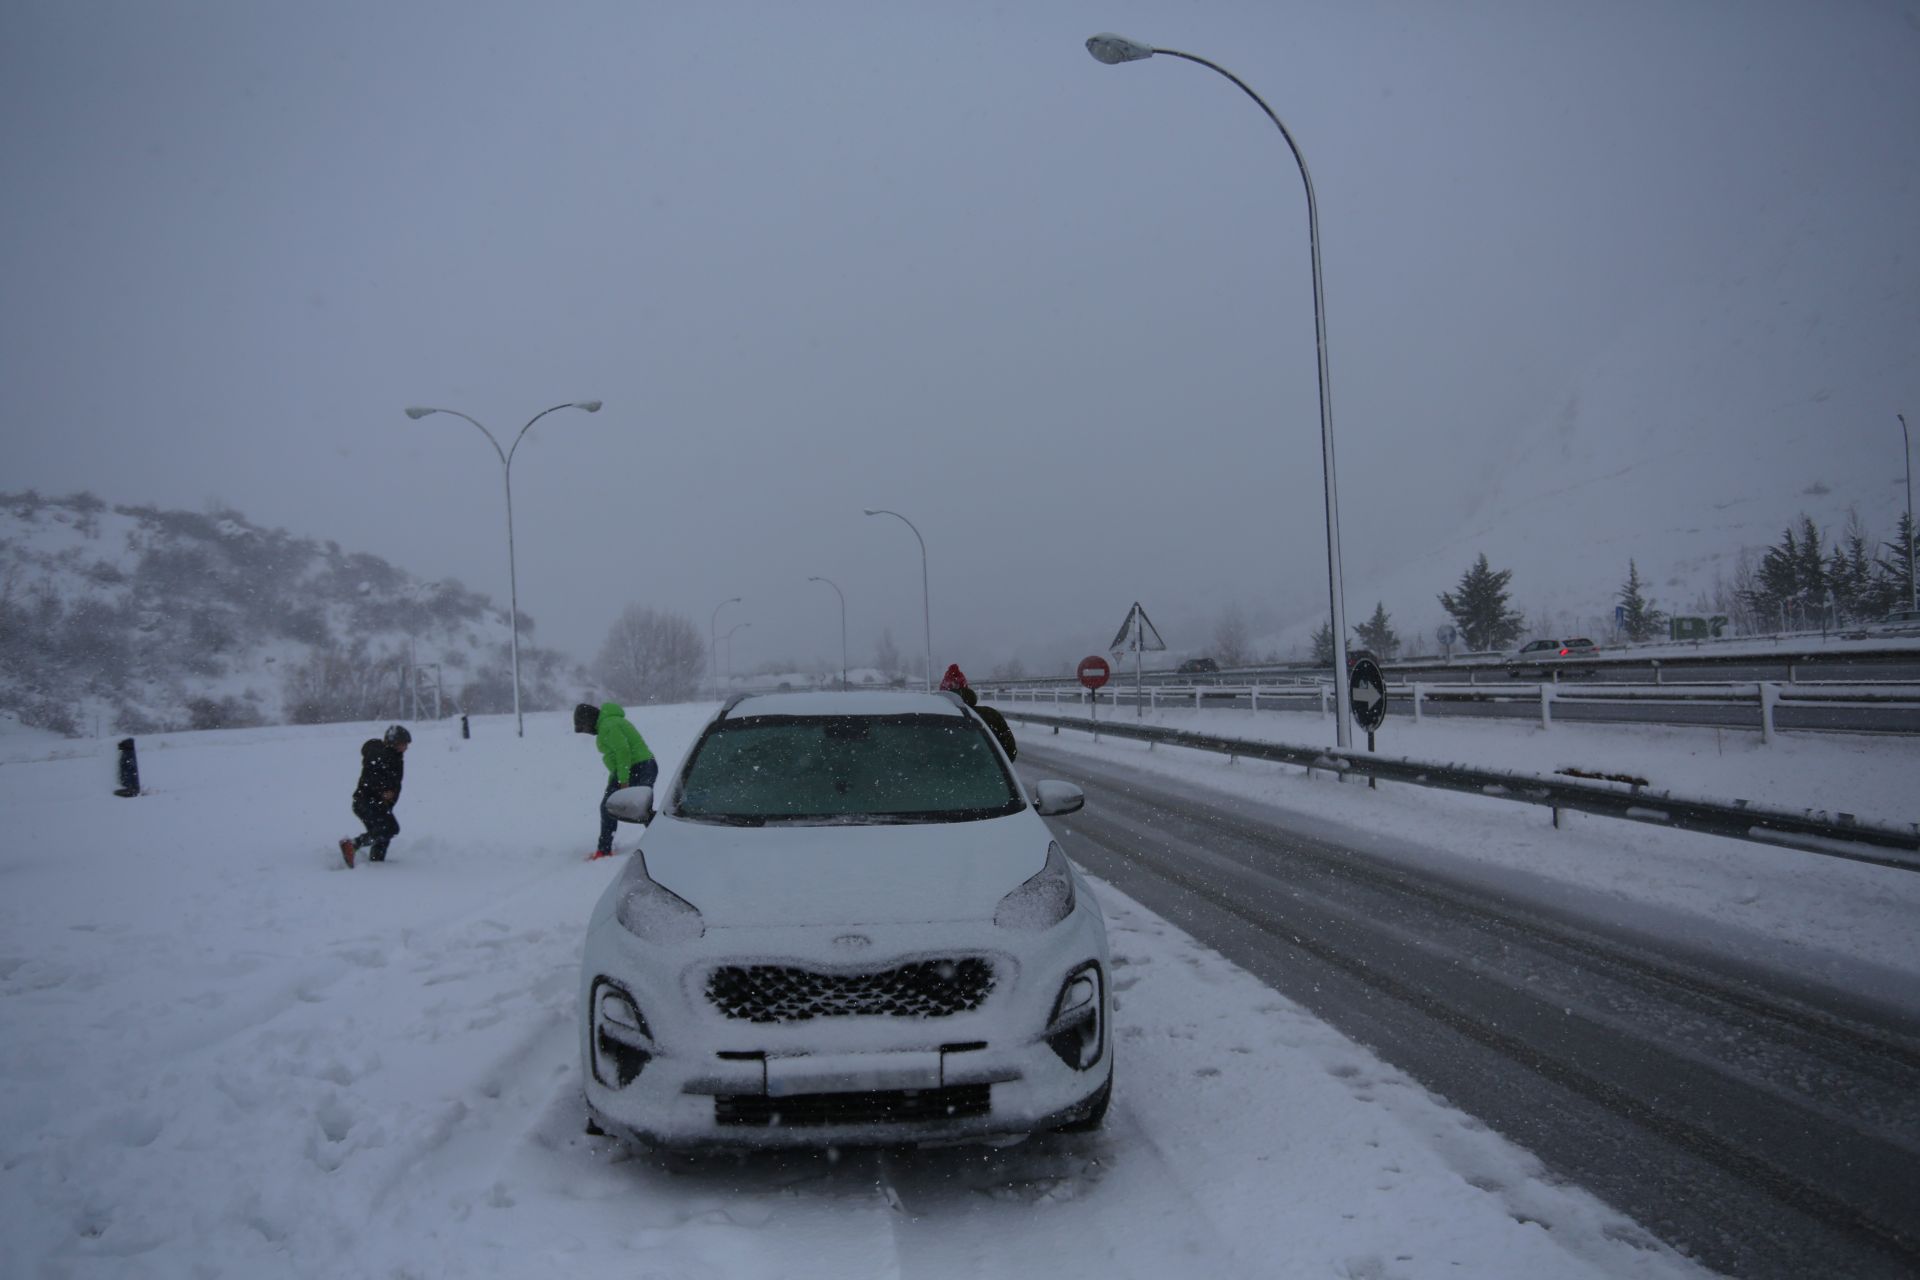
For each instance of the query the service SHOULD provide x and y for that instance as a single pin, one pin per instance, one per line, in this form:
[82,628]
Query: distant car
[1544,657]
[1354,655]
[1902,618]
[1198,666]
[846,924]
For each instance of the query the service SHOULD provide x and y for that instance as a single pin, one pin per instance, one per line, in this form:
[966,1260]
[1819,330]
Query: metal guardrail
[1757,701]
[1838,835]
[1790,654]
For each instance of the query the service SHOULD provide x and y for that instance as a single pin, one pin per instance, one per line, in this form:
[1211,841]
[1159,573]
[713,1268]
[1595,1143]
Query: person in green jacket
[630,762]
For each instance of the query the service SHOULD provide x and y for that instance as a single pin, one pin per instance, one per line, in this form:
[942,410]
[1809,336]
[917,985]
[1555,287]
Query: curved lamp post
[713,641]
[729,639]
[926,595]
[843,624]
[1112,50]
[513,580]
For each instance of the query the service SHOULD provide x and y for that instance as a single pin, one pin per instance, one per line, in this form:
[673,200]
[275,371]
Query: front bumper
[689,1076]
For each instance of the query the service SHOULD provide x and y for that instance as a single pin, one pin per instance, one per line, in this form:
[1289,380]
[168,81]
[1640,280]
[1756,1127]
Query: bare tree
[1231,643]
[651,656]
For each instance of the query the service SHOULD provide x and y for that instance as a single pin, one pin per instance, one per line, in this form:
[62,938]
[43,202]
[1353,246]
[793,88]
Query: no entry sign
[1094,671]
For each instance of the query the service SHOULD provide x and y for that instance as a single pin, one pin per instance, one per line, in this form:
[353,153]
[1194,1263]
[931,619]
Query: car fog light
[1075,1032]
[622,1043]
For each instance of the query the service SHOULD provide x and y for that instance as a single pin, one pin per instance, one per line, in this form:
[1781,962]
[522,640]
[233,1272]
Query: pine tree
[1641,621]
[1791,585]
[1377,634]
[1323,645]
[1895,568]
[1480,608]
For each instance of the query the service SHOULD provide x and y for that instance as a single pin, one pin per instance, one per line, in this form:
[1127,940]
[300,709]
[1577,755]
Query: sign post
[1093,672]
[1369,696]
[1138,634]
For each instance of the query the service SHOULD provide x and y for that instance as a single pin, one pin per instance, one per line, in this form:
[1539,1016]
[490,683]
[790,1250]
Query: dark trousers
[382,826]
[640,775]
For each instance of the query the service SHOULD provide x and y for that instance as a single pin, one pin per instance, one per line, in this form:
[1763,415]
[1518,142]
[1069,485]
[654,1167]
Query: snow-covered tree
[1479,607]
[651,655]
[1640,620]
[1232,645]
[1377,634]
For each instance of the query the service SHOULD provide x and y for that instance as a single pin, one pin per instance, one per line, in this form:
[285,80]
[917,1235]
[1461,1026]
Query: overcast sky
[925,256]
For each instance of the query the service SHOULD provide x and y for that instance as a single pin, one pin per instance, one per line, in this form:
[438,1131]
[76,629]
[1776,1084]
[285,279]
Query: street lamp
[729,639]
[513,581]
[926,595]
[713,641]
[843,624]
[1906,452]
[1112,50]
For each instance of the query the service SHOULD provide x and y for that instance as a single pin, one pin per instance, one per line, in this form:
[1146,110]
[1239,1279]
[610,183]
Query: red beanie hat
[955,678]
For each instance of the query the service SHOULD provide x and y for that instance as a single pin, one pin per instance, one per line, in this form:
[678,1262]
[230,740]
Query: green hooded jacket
[621,745]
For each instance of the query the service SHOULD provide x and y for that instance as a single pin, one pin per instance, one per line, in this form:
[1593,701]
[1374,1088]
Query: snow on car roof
[853,702]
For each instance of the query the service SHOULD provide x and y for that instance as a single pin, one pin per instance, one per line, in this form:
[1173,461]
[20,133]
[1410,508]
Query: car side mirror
[632,804]
[1055,798]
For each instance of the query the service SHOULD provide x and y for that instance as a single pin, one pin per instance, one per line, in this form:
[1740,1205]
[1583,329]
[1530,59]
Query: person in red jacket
[382,768]
[955,681]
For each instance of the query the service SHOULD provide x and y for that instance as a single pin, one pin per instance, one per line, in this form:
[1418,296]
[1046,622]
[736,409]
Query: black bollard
[129,770]
[464,731]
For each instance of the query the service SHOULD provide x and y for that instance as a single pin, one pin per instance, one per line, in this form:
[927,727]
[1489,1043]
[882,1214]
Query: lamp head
[417,413]
[591,406]
[869,511]
[1113,50]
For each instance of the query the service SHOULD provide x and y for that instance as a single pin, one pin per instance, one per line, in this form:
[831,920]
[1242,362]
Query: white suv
[846,923]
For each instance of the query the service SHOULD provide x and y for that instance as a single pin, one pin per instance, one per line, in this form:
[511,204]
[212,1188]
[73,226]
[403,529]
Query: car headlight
[1043,901]
[649,910]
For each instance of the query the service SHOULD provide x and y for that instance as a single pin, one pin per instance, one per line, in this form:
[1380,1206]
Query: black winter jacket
[381,769]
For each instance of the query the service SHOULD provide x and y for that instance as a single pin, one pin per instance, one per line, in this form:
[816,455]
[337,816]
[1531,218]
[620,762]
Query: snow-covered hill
[1761,384]
[132,619]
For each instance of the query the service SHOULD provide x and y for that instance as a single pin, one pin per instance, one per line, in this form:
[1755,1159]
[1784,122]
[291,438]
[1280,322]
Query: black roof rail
[731,703]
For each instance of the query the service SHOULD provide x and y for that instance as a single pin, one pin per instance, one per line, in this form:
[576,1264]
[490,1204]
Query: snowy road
[225,1055]
[1770,1125]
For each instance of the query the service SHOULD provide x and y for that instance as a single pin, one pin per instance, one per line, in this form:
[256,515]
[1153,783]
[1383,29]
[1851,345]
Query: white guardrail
[1765,697]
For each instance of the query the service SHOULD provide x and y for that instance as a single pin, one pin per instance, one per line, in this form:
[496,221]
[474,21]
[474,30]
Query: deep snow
[227,1055]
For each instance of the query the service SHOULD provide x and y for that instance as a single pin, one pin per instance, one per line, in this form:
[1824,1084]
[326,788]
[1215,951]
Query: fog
[931,258]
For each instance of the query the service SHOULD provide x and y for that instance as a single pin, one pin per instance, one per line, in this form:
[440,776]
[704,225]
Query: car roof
[851,702]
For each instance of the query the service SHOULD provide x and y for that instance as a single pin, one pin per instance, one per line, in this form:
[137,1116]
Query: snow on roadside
[1829,920]
[1872,776]
[225,1054]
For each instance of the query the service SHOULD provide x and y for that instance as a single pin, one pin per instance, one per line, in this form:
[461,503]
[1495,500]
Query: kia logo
[853,940]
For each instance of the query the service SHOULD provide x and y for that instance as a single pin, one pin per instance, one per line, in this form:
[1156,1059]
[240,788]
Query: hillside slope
[132,619]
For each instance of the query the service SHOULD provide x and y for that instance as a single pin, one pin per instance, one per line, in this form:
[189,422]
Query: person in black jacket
[382,767]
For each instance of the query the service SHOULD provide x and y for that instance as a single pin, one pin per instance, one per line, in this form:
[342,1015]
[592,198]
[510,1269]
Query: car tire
[1096,1114]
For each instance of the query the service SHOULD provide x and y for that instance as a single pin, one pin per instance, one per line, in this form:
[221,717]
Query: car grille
[786,993]
[885,1106]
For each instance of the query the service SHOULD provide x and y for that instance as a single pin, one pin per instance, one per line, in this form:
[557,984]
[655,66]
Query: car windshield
[845,769]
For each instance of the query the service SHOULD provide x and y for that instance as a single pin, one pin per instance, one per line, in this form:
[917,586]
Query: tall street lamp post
[843,624]
[713,641]
[513,580]
[1112,50]
[926,594]
[729,639]
[1906,453]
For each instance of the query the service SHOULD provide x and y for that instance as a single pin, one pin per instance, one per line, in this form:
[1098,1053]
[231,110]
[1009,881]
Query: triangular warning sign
[1137,633]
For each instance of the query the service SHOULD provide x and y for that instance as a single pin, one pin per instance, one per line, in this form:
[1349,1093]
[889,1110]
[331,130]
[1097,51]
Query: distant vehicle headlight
[649,910]
[1043,901]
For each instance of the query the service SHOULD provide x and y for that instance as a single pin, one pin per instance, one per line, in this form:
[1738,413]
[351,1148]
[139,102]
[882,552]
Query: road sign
[1093,672]
[1137,633]
[1369,693]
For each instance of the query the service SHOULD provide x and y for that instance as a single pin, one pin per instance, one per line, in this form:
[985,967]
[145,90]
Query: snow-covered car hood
[824,875]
